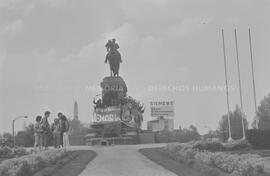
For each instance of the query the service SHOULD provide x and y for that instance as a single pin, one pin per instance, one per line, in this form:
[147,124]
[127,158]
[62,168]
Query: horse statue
[113,56]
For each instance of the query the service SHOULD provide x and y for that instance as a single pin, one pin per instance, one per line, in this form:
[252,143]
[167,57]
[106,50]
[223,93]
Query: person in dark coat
[46,130]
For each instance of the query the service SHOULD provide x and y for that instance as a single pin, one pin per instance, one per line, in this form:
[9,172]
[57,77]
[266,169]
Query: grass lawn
[71,165]
[77,165]
[156,155]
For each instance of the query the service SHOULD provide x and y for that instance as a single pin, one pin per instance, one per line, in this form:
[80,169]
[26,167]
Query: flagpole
[240,87]
[226,81]
[252,69]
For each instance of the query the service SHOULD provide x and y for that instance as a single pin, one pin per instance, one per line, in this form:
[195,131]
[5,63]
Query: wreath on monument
[132,110]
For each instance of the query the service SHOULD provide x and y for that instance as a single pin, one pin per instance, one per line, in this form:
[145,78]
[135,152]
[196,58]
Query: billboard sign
[111,114]
[162,108]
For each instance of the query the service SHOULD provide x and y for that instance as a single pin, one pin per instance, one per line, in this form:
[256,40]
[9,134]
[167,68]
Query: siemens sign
[162,108]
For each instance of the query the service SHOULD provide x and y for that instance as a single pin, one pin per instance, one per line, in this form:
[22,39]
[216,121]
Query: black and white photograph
[134,88]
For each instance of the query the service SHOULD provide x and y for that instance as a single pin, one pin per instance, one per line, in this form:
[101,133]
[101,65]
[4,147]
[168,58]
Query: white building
[160,124]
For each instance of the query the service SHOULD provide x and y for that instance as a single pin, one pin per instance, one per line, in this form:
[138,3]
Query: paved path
[123,160]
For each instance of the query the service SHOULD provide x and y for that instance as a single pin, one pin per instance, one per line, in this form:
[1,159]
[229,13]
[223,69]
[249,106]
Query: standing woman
[66,132]
[38,133]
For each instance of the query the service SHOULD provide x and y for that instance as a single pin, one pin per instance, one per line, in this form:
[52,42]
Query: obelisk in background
[75,115]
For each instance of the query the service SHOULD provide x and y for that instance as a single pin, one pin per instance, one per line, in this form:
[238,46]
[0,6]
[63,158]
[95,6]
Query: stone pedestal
[113,89]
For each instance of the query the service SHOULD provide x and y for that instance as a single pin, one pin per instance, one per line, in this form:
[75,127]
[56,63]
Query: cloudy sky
[52,53]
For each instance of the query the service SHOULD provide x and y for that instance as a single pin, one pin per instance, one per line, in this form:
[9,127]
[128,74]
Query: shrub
[208,145]
[5,152]
[10,153]
[259,139]
[173,147]
[241,165]
[237,145]
[19,151]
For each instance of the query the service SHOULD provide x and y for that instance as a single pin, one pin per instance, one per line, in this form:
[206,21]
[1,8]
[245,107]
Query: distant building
[160,124]
[76,113]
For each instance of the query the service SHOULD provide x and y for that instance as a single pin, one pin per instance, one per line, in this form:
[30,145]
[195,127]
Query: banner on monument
[162,108]
[111,114]
[114,114]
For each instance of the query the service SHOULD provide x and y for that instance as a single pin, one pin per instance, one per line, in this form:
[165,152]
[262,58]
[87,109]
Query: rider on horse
[113,56]
[111,46]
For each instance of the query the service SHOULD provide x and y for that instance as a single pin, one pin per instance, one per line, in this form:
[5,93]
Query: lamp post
[13,121]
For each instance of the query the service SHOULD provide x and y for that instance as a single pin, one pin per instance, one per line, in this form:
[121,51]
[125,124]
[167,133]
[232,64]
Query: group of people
[58,131]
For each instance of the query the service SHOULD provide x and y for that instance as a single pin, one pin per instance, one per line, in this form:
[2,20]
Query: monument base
[119,133]
[125,140]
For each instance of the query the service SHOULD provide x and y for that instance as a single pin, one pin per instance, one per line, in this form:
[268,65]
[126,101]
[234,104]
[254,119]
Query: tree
[8,139]
[26,137]
[262,118]
[212,134]
[179,135]
[236,124]
[77,128]
[193,133]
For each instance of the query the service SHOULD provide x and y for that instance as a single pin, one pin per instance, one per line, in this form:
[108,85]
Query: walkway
[123,160]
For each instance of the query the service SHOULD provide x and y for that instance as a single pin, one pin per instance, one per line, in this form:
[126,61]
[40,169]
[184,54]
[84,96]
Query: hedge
[222,163]
[7,152]
[29,164]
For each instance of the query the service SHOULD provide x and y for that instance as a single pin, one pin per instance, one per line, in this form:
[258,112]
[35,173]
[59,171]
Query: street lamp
[13,121]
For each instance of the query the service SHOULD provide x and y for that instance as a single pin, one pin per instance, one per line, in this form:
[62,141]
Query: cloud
[12,28]
[188,26]
[181,74]
[150,9]
[56,3]
[2,59]
[17,7]
[7,3]
[18,4]
[125,35]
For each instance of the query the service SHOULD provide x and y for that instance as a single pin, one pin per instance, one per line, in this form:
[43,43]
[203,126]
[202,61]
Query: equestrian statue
[113,56]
